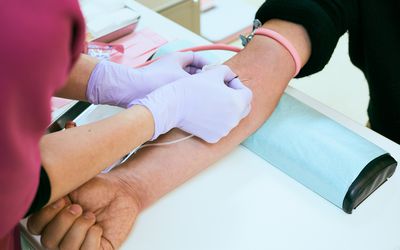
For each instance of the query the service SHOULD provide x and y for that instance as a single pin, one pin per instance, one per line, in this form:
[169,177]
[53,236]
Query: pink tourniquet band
[284,42]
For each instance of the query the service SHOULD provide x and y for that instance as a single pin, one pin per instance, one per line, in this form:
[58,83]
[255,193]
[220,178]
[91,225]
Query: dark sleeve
[42,194]
[324,20]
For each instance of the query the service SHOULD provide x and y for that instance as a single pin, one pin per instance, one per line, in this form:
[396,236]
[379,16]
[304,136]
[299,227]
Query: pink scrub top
[40,41]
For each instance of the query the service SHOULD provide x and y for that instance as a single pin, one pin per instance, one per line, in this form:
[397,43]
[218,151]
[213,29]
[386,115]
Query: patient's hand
[114,208]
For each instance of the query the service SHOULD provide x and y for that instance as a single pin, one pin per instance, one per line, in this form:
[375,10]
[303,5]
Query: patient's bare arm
[264,66]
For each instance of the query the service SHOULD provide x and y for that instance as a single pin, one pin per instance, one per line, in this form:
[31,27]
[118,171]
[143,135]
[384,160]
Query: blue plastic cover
[313,149]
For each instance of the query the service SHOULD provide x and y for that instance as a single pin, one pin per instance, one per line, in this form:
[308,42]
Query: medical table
[243,202]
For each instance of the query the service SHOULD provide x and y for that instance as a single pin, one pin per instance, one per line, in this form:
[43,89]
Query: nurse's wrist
[140,113]
[92,92]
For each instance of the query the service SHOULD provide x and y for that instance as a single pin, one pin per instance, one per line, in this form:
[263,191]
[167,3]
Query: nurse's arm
[76,85]
[264,66]
[72,157]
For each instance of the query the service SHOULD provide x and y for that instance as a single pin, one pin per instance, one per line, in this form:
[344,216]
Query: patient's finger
[93,238]
[77,233]
[59,226]
[38,221]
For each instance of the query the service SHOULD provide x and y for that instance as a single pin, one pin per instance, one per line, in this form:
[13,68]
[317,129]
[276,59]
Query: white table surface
[242,202]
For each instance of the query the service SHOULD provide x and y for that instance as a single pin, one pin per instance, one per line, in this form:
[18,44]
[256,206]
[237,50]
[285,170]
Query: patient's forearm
[266,67]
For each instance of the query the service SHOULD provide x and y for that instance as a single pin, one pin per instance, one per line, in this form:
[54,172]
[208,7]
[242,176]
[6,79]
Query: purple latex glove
[208,105]
[118,85]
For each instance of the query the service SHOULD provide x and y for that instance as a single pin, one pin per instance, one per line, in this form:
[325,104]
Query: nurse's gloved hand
[118,85]
[208,104]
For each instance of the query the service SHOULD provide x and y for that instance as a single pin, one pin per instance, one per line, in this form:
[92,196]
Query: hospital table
[243,202]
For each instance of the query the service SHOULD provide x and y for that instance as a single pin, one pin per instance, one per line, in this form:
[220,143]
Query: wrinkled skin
[108,197]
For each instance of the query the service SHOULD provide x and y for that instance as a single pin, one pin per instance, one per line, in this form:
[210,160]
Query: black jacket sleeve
[324,20]
[42,194]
